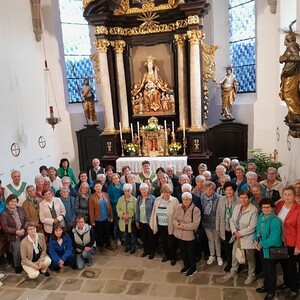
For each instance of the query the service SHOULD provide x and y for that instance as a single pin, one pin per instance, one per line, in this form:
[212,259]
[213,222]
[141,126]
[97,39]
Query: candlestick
[173,130]
[165,125]
[183,128]
[131,127]
[120,127]
[138,129]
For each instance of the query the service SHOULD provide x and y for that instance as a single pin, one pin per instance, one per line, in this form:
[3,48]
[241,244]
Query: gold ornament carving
[95,59]
[118,46]
[195,36]
[101,30]
[180,39]
[125,8]
[102,45]
[193,20]
[148,19]
[85,3]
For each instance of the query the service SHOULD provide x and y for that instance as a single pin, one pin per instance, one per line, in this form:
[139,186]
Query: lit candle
[121,136]
[173,130]
[138,129]
[165,125]
[183,128]
[51,109]
[131,127]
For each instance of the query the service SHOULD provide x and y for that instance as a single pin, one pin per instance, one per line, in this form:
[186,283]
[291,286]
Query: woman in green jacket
[65,170]
[126,209]
[268,234]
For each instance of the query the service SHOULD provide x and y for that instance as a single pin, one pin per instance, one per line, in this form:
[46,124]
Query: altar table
[135,163]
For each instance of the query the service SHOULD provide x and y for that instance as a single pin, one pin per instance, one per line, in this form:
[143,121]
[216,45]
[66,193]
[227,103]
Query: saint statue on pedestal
[152,96]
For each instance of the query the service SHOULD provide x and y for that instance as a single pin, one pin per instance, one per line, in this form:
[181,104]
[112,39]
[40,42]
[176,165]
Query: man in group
[95,170]
[16,187]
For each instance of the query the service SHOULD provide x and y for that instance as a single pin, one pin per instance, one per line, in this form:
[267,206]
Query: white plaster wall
[23,111]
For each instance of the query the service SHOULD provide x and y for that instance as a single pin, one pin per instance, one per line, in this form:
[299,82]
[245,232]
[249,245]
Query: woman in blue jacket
[268,234]
[61,249]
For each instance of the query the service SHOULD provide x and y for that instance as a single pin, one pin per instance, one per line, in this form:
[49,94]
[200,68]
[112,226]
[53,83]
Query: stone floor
[118,275]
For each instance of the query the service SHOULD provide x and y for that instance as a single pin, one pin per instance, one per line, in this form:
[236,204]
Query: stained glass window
[242,43]
[77,47]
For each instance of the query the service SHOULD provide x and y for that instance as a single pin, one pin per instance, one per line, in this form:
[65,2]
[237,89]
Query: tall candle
[121,136]
[173,130]
[138,129]
[51,109]
[165,125]
[183,128]
[131,127]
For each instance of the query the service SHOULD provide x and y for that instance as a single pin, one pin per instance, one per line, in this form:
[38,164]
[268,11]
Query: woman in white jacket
[161,219]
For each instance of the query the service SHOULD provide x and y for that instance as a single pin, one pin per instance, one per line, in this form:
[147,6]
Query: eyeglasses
[266,207]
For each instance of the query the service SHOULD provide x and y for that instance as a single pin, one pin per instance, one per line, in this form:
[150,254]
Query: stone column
[194,37]
[180,40]
[121,84]
[109,127]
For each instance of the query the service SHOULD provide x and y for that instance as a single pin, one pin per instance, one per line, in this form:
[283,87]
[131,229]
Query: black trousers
[147,238]
[102,230]
[188,252]
[168,242]
[289,268]
[269,267]
[228,247]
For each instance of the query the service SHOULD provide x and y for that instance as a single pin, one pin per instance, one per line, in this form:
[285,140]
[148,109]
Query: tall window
[242,43]
[77,47]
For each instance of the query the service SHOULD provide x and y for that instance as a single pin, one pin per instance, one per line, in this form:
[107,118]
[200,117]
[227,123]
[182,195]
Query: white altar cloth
[135,163]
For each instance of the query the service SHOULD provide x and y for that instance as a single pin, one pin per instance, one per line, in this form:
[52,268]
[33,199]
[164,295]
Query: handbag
[240,254]
[279,253]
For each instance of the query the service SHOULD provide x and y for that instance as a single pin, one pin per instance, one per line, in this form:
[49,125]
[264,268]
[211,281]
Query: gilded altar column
[121,84]
[194,37]
[109,127]
[180,40]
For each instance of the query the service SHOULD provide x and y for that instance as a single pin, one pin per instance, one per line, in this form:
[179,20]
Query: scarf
[34,203]
[35,244]
[53,211]
[208,207]
[16,217]
[83,230]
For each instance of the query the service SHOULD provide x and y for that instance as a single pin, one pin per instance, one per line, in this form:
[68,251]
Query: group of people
[213,214]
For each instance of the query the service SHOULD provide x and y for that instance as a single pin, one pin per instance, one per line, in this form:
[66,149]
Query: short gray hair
[127,186]
[186,187]
[144,186]
[187,195]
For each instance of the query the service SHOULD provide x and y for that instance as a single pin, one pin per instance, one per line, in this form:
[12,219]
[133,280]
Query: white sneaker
[249,280]
[1,276]
[211,260]
[1,283]
[220,261]
[119,242]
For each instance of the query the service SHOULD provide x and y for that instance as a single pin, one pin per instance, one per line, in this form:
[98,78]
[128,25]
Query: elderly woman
[101,216]
[272,187]
[69,203]
[288,211]
[183,178]
[296,185]
[220,190]
[163,178]
[219,172]
[240,178]
[209,203]
[55,180]
[131,179]
[66,182]
[126,209]
[257,195]
[51,211]
[186,219]
[144,208]
[189,172]
[61,249]
[170,170]
[268,234]
[161,221]
[224,213]
[242,224]
[251,178]
[207,175]
[103,181]
[81,205]
[83,240]
[33,253]
[198,189]
[115,191]
[125,172]
[13,221]
[83,177]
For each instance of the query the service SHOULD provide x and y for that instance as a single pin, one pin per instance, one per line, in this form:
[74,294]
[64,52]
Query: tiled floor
[118,275]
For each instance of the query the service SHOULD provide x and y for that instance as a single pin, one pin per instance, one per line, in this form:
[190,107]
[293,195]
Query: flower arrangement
[175,146]
[131,148]
[152,126]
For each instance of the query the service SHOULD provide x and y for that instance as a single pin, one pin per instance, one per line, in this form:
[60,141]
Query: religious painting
[152,92]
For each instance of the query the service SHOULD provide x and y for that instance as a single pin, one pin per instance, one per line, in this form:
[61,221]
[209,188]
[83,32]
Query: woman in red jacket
[288,211]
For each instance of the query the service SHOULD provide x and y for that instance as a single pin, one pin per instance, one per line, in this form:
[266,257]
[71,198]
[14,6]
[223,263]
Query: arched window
[77,47]
[242,43]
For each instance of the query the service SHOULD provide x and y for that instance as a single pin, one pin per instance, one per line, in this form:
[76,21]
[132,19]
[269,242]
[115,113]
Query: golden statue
[229,86]
[152,96]
[290,76]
